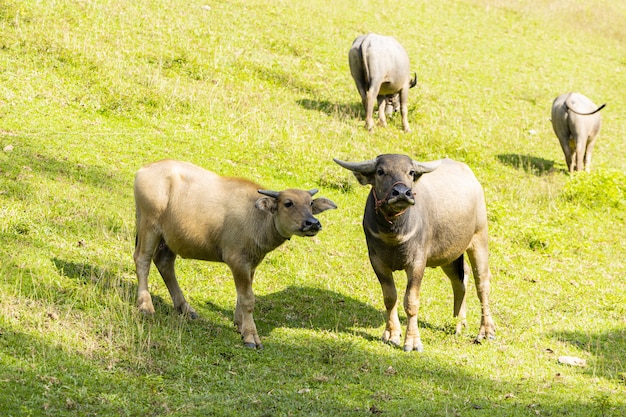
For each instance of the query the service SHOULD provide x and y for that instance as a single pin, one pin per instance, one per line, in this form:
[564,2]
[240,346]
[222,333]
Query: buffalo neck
[385,220]
[271,238]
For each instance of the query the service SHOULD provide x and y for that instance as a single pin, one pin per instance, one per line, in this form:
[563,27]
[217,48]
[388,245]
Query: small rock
[390,371]
[572,361]
[8,148]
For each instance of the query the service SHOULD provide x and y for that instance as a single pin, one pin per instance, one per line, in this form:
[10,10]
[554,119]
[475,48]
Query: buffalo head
[293,210]
[391,177]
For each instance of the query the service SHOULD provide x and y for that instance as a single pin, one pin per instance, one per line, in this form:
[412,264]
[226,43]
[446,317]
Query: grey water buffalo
[576,122]
[424,214]
[185,210]
[381,71]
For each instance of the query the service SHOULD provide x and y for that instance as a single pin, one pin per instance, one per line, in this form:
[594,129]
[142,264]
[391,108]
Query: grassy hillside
[92,90]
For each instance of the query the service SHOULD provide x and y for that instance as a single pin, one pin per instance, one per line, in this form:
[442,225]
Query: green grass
[92,90]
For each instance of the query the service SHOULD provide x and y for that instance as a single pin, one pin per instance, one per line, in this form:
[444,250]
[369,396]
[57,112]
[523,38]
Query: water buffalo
[185,210]
[576,122]
[424,214]
[380,68]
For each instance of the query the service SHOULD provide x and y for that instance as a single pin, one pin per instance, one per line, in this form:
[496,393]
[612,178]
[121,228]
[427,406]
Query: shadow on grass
[105,281]
[82,272]
[530,164]
[139,357]
[294,307]
[607,349]
[203,376]
[310,308]
[317,309]
[342,111]
[24,162]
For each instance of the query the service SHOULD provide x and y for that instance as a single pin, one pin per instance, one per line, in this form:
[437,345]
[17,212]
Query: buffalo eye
[380,172]
[288,203]
[413,174]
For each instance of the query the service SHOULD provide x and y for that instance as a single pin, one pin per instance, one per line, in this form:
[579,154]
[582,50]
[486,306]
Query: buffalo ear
[363,171]
[268,204]
[322,204]
[364,179]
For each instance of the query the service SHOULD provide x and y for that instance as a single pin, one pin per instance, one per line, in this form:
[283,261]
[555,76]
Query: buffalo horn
[362,167]
[426,167]
[273,194]
[413,81]
[313,191]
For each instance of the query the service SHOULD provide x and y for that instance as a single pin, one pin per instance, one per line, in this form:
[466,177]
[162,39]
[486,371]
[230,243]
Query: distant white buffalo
[380,68]
[576,122]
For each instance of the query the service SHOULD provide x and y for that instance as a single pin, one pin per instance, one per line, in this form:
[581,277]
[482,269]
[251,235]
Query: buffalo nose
[312,223]
[401,189]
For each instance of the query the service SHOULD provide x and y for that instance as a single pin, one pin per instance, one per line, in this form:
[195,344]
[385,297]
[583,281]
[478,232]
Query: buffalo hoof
[417,348]
[146,313]
[253,346]
[390,339]
[186,310]
[479,339]
[144,303]
[391,342]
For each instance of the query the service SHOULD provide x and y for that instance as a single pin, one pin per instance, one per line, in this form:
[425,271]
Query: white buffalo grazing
[381,71]
[576,122]
[424,214]
[185,210]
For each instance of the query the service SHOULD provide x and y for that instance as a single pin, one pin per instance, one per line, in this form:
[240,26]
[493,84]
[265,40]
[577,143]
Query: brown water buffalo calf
[420,215]
[185,210]
[576,122]
[381,71]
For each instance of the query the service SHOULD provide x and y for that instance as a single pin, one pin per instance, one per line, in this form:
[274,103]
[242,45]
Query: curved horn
[273,194]
[413,82]
[426,167]
[313,191]
[364,167]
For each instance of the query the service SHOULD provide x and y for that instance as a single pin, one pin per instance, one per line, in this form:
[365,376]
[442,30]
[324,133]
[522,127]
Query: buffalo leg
[412,339]
[581,145]
[566,146]
[479,258]
[393,330]
[457,271]
[363,94]
[144,249]
[588,152]
[245,305]
[382,105]
[164,260]
[372,98]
